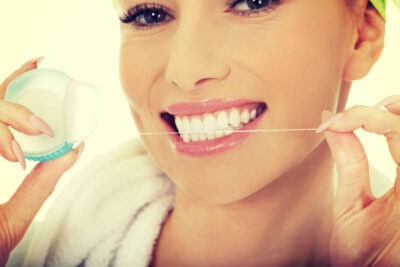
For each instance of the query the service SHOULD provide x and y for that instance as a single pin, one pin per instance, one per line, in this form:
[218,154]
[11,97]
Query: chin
[229,178]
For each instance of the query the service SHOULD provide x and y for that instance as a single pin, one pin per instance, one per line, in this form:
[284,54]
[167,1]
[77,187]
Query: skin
[282,215]
[237,72]
[235,210]
[241,196]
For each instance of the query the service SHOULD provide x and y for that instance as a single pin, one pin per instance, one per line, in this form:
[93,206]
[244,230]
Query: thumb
[38,185]
[352,168]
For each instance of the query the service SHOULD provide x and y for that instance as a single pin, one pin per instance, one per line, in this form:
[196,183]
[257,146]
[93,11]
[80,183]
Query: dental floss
[237,131]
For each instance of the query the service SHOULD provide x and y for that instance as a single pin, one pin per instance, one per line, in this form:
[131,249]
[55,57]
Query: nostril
[201,81]
[183,86]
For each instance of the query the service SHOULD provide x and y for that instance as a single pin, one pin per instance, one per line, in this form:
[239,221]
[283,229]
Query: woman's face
[218,65]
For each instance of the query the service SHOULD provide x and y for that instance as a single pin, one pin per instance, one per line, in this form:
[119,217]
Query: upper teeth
[213,125]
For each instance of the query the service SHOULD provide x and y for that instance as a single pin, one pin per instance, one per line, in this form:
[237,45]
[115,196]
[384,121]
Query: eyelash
[132,15]
[266,9]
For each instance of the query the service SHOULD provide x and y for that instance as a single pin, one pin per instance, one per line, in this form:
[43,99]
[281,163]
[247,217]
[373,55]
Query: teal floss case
[71,108]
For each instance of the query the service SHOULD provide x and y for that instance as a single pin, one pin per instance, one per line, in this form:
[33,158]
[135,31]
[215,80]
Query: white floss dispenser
[69,107]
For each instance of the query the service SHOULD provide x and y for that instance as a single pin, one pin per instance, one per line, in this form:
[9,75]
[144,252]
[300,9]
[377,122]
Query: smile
[211,126]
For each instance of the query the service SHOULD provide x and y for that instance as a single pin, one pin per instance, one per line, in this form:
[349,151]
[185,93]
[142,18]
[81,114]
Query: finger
[391,103]
[22,119]
[397,183]
[23,206]
[373,120]
[29,65]
[353,170]
[394,108]
[6,150]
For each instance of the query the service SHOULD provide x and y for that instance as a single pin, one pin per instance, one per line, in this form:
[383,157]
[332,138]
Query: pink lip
[209,147]
[191,108]
[206,148]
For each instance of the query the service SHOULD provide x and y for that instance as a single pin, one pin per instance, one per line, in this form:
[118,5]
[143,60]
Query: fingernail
[41,125]
[34,60]
[388,101]
[326,114]
[326,124]
[80,149]
[16,148]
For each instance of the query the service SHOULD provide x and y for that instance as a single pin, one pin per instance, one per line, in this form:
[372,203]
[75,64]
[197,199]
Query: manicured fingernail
[326,124]
[326,114]
[41,125]
[388,101]
[80,149]
[34,60]
[16,148]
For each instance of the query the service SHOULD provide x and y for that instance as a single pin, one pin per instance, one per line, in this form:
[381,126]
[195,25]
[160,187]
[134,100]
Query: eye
[145,16]
[247,7]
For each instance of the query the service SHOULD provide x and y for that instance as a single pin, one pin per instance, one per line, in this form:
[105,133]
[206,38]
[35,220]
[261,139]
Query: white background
[81,38]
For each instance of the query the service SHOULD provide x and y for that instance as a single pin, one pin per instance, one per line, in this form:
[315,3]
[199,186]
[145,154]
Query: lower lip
[218,145]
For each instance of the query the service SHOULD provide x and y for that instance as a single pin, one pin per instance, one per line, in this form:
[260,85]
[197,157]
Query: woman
[206,69]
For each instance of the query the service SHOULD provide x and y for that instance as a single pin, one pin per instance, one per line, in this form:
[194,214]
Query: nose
[195,58]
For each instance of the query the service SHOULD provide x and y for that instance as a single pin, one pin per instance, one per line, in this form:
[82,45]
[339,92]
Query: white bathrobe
[110,214]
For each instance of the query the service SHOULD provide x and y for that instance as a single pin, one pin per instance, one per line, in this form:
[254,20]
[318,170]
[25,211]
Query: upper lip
[208,106]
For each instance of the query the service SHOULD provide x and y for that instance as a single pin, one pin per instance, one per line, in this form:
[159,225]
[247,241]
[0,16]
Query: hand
[17,213]
[366,229]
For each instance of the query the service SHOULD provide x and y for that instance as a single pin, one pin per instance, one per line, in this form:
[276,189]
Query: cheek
[300,62]
[140,69]
[130,73]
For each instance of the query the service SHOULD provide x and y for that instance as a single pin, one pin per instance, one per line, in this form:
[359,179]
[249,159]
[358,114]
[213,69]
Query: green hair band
[380,5]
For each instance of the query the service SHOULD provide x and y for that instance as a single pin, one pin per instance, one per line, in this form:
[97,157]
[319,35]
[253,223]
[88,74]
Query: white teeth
[185,125]
[229,130]
[196,125]
[211,136]
[211,126]
[185,137]
[210,123]
[202,137]
[253,114]
[178,122]
[222,120]
[196,128]
[234,118]
[245,117]
[219,133]
[194,137]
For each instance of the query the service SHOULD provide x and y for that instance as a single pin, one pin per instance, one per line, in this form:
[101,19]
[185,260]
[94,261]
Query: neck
[286,222]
